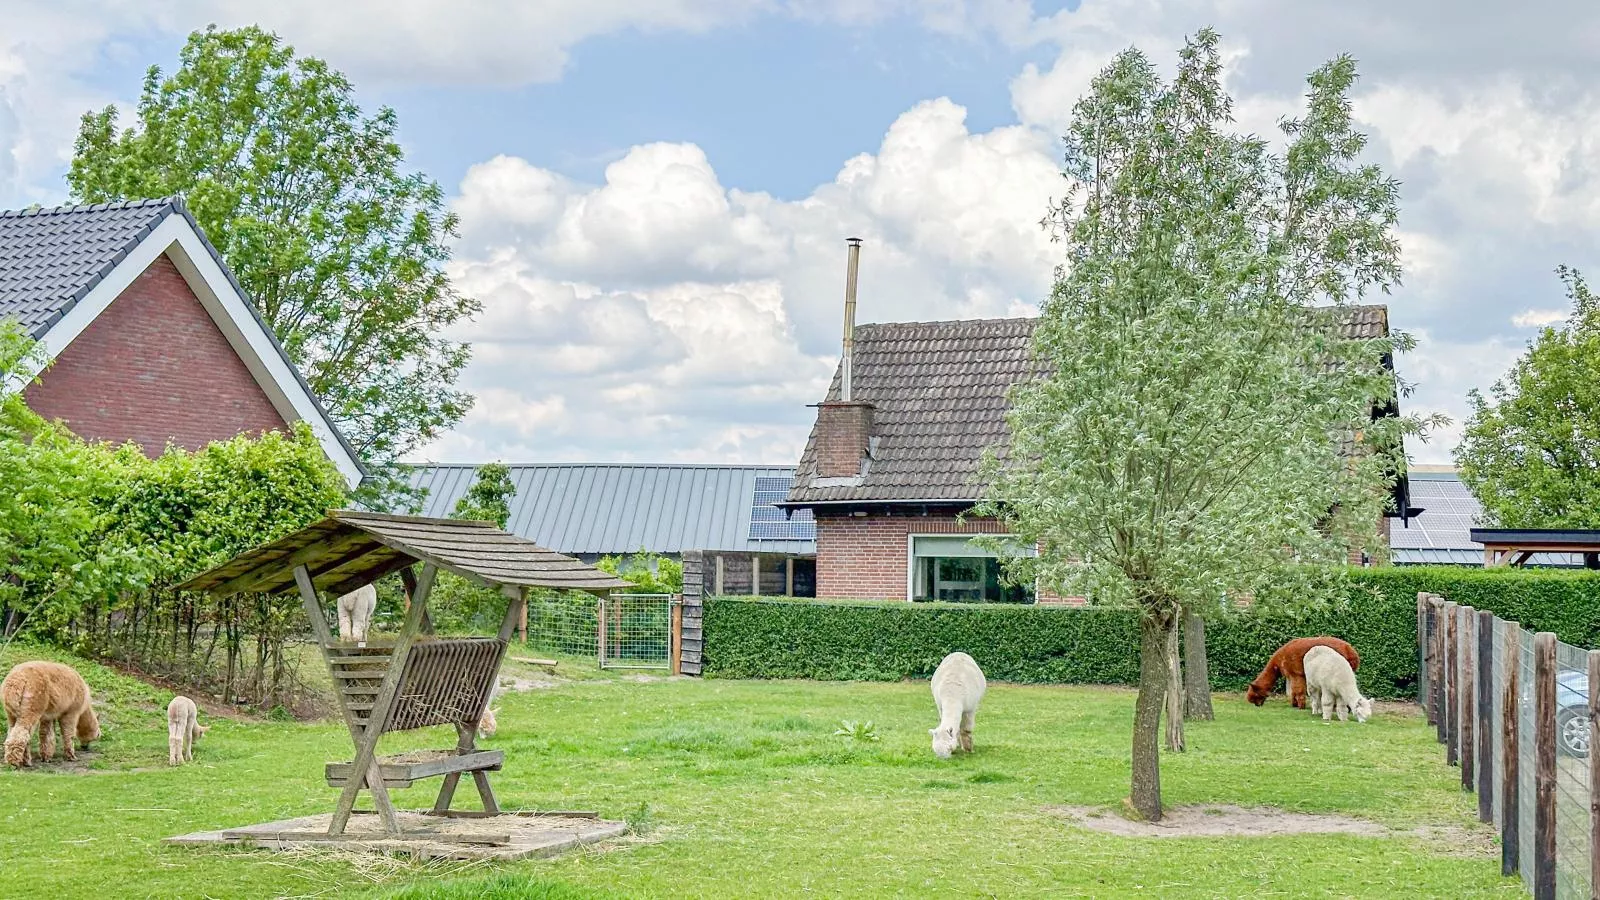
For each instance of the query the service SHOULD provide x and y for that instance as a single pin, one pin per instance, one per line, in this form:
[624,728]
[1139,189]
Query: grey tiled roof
[51,258]
[939,392]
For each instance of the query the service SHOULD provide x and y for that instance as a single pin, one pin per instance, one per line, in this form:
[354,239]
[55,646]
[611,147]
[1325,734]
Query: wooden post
[1469,697]
[1423,687]
[788,577]
[600,635]
[1436,664]
[1544,772]
[1486,796]
[1594,773]
[719,575]
[676,649]
[522,619]
[1510,755]
[755,574]
[1452,699]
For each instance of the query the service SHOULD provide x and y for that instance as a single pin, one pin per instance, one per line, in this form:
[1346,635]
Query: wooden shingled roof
[350,548]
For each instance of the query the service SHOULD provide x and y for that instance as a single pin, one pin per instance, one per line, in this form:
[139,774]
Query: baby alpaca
[1289,663]
[47,696]
[486,723]
[1331,686]
[183,729]
[355,613]
[958,687]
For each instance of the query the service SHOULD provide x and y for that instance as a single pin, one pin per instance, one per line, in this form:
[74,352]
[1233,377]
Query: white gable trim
[176,238]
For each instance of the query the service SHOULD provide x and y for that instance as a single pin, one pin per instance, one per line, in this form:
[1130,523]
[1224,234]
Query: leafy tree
[489,498]
[341,250]
[1531,454]
[646,573]
[1185,439]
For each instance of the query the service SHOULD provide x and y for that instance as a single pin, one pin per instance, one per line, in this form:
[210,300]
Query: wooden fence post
[1424,685]
[1511,755]
[1436,677]
[1469,697]
[1594,772]
[675,650]
[1486,796]
[600,632]
[1452,678]
[1544,772]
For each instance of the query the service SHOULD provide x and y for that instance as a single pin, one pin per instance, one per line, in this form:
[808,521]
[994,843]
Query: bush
[768,638]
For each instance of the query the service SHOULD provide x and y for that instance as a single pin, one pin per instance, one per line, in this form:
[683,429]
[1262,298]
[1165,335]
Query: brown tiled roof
[939,389]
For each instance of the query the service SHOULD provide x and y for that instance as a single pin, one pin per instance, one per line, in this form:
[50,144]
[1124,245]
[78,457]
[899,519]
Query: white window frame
[911,556]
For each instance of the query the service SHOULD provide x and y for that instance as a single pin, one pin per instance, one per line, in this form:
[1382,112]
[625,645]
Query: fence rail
[1515,712]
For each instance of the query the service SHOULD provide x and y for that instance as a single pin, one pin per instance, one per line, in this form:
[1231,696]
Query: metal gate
[636,631]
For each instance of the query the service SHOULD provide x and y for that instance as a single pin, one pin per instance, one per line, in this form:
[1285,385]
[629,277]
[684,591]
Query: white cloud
[1538,318]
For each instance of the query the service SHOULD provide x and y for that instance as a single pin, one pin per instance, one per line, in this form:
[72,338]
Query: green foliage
[489,498]
[865,732]
[765,638]
[646,573]
[342,251]
[1179,446]
[1532,455]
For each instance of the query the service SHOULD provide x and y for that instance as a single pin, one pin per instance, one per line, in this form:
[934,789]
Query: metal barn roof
[623,508]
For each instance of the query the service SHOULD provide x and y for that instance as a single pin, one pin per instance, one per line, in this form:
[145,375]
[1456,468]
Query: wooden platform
[526,835]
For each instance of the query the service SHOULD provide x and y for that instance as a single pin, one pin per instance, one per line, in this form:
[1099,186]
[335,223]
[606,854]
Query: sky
[654,194]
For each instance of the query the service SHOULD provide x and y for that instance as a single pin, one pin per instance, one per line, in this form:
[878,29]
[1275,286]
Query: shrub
[885,641]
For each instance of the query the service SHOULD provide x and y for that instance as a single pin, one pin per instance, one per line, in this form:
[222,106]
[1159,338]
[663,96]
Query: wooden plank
[1436,679]
[1452,675]
[524,813]
[1594,773]
[251,577]
[1466,655]
[516,609]
[433,768]
[367,745]
[1422,653]
[430,837]
[1485,707]
[1544,772]
[1510,754]
[600,633]
[547,663]
[675,638]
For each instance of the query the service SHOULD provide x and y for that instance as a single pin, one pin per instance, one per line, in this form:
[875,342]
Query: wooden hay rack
[417,680]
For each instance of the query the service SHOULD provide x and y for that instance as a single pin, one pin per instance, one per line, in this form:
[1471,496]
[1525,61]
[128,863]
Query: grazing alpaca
[1289,662]
[355,613]
[183,729]
[1331,685]
[958,687]
[47,696]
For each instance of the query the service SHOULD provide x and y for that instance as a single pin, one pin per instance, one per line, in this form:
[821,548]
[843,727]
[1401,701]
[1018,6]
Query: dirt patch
[1218,821]
[517,685]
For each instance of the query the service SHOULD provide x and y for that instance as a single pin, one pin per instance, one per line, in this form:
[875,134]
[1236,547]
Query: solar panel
[769,523]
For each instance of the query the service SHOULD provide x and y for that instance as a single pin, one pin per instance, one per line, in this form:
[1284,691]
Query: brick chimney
[843,429]
[844,426]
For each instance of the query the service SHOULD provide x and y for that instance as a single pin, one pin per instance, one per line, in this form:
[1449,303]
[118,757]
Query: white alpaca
[183,729]
[355,613]
[958,687]
[1331,686]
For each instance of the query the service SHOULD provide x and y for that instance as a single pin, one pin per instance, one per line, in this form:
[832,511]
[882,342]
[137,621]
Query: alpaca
[958,687]
[486,723]
[183,729]
[48,696]
[1289,663]
[355,613]
[1331,684]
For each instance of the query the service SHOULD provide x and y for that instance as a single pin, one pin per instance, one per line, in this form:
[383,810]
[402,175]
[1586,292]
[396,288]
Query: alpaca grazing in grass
[47,696]
[958,687]
[183,729]
[355,613]
[1331,686]
[1289,663]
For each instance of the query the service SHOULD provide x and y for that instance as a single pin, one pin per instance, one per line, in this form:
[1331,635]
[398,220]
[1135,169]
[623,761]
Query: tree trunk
[1145,796]
[1174,698]
[1196,671]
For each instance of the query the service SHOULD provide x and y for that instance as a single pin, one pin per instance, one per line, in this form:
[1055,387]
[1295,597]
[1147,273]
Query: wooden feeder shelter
[416,680]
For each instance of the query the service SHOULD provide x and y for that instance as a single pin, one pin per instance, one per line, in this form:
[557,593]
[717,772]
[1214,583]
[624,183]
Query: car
[1572,714]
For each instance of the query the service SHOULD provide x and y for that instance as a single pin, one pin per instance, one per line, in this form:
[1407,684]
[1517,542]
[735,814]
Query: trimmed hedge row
[888,641]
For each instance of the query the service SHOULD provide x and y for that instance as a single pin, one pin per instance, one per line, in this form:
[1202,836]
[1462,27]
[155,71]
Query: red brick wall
[153,368]
[864,557]
[843,430]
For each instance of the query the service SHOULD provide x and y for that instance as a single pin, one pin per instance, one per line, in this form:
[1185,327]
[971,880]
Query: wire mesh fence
[1513,713]
[635,631]
[562,624]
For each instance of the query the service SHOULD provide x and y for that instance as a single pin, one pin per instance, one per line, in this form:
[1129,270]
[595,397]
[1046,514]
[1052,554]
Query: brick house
[151,338]
[889,468]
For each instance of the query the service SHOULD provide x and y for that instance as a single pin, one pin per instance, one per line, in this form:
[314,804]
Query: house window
[950,568]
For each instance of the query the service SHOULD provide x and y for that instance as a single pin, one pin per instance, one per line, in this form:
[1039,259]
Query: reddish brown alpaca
[1290,663]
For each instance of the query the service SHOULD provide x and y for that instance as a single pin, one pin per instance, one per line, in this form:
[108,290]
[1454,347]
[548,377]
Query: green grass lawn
[744,791]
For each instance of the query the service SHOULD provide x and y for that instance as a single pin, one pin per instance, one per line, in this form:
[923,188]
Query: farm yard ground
[741,788]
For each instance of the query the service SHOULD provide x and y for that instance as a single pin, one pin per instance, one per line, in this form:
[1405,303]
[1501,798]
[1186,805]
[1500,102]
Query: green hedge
[766,638]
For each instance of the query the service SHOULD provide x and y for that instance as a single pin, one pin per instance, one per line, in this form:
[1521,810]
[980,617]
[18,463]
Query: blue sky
[654,193]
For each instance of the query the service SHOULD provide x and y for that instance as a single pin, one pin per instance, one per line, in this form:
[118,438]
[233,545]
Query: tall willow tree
[308,199]
[1201,427]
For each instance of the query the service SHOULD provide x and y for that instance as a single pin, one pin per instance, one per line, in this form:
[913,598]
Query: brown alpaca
[1290,663]
[47,696]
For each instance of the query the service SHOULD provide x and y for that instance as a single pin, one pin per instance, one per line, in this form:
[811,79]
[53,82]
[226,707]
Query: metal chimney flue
[852,268]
